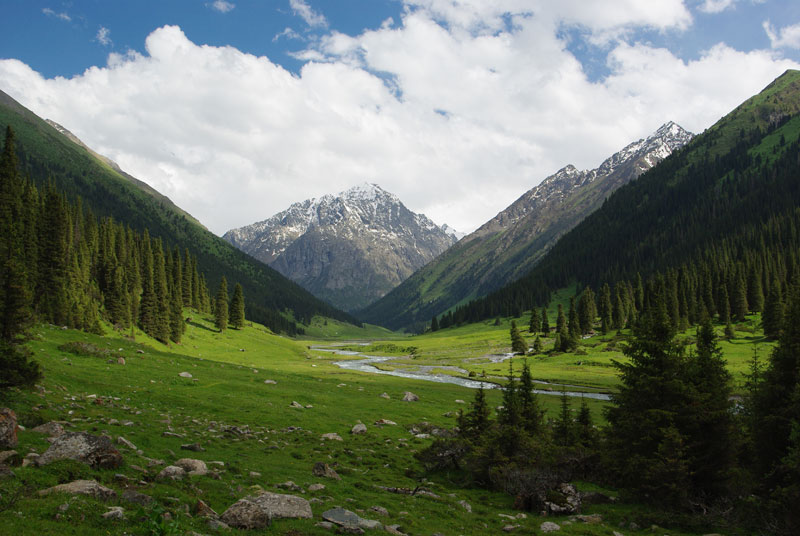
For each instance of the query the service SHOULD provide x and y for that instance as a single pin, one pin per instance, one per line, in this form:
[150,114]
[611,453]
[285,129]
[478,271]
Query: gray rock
[569,503]
[380,510]
[394,530]
[385,395]
[332,437]
[82,487]
[593,519]
[6,454]
[323,470]
[341,517]
[192,466]
[122,441]
[316,487]
[216,524]
[466,506]
[255,512]
[185,374]
[115,512]
[270,382]
[6,472]
[383,422]
[133,496]
[8,428]
[290,485]
[327,525]
[549,526]
[51,429]
[201,509]
[96,451]
[120,361]
[195,447]
[172,472]
[359,429]
[410,397]
[296,404]
[510,528]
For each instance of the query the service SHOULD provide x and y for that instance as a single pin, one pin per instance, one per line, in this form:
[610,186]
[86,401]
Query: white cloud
[457,112]
[786,37]
[716,6]
[62,16]
[288,33]
[221,5]
[103,36]
[304,11]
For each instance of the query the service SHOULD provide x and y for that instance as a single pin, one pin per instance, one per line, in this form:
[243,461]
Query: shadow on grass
[190,322]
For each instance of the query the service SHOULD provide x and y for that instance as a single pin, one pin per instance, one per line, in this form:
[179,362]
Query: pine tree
[772,318]
[221,306]
[724,305]
[605,309]
[476,421]
[755,293]
[434,324]
[530,412]
[186,279]
[587,310]
[237,307]
[510,414]
[517,342]
[564,428]
[574,324]
[535,322]
[739,299]
[537,345]
[586,432]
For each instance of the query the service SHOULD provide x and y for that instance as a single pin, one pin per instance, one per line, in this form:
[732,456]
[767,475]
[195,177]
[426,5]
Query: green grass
[228,389]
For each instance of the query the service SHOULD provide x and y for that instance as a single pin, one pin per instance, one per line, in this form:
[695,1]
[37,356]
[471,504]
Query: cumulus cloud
[103,36]
[715,6]
[288,33]
[458,112]
[786,37]
[62,16]
[221,5]
[304,11]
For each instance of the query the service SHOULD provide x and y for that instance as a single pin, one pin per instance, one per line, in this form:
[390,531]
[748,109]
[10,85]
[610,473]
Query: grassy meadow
[261,441]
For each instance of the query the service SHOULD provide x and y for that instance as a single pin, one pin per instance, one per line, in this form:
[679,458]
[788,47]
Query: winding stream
[366,363]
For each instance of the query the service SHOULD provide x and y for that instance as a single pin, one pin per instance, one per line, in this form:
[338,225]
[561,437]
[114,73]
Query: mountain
[510,244]
[49,153]
[724,211]
[350,248]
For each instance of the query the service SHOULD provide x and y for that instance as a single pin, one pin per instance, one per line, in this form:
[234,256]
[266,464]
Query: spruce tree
[162,310]
[476,421]
[237,307]
[564,428]
[221,306]
[535,322]
[510,413]
[434,324]
[772,319]
[587,310]
[545,323]
[517,342]
[530,412]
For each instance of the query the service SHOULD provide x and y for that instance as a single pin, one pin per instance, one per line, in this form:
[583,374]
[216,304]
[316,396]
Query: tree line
[63,266]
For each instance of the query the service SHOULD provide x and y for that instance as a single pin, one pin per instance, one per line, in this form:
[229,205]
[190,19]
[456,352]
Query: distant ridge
[510,244]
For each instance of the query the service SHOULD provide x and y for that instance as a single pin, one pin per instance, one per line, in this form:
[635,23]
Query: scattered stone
[170,434]
[380,510]
[96,451]
[349,520]
[324,470]
[549,526]
[256,512]
[359,429]
[316,487]
[327,525]
[83,487]
[173,472]
[593,519]
[254,474]
[564,500]
[617,533]
[216,524]
[332,437]
[510,528]
[122,441]
[192,466]
[394,530]
[185,375]
[139,351]
[50,429]
[408,491]
[296,404]
[115,513]
[466,506]
[385,395]
[270,382]
[6,454]
[201,509]
[458,401]
[383,422]
[410,397]
[120,361]
[195,447]
[8,428]
[133,496]
[291,486]
[30,459]
[6,472]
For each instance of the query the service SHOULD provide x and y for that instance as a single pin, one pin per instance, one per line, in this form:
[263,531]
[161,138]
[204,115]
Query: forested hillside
[717,221]
[48,157]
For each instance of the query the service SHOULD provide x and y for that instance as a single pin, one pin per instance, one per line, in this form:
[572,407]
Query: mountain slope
[729,196]
[47,154]
[350,248]
[510,244]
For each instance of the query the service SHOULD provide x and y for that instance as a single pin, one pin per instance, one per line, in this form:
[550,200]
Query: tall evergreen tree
[530,412]
[535,322]
[545,323]
[518,344]
[772,318]
[237,307]
[221,306]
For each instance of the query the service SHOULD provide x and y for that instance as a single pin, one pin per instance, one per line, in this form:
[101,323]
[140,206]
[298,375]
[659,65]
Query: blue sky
[456,106]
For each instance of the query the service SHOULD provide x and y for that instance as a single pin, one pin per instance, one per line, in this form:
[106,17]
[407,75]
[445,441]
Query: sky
[237,108]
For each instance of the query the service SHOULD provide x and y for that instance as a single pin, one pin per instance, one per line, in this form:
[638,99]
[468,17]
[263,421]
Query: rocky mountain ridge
[349,248]
[510,244]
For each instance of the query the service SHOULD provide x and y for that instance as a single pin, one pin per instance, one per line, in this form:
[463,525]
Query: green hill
[47,155]
[723,208]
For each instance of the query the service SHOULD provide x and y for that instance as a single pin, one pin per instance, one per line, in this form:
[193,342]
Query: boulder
[316,487]
[173,472]
[410,397]
[564,500]
[192,466]
[332,437]
[50,429]
[8,428]
[115,512]
[549,526]
[256,512]
[349,520]
[96,451]
[135,497]
[7,454]
[201,509]
[359,429]
[323,470]
[83,487]
[195,447]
